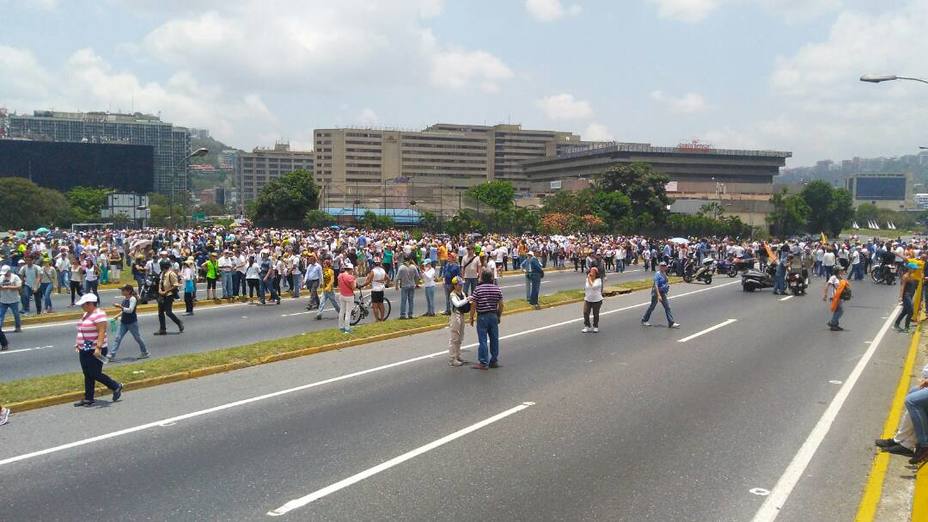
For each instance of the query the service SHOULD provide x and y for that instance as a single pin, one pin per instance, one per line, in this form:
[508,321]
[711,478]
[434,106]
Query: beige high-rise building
[428,169]
[254,170]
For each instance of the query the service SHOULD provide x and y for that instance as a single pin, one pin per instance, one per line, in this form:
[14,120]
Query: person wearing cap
[460,306]
[328,289]
[92,348]
[347,285]
[470,268]
[128,322]
[211,266]
[837,289]
[449,271]
[378,281]
[188,276]
[407,280]
[533,275]
[168,285]
[10,288]
[428,284]
[660,288]
[907,288]
[225,266]
[312,279]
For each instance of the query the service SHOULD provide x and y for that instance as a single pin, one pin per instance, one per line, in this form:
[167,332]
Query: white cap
[87,298]
[4,269]
[347,265]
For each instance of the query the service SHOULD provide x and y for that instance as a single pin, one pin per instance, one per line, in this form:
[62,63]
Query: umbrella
[21,235]
[42,230]
[680,241]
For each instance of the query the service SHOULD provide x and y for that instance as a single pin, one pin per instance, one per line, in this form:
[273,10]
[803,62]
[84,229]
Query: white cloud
[565,107]
[550,10]
[686,10]
[697,10]
[597,132]
[689,103]
[316,44]
[23,76]
[368,118]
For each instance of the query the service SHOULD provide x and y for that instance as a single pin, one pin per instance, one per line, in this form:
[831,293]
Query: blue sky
[770,74]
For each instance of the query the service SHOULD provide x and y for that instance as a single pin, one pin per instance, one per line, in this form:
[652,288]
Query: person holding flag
[837,290]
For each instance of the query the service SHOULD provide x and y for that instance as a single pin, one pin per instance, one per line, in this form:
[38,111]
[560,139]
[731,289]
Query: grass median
[43,391]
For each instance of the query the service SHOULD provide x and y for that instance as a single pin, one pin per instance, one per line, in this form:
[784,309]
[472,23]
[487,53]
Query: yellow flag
[769,251]
[824,239]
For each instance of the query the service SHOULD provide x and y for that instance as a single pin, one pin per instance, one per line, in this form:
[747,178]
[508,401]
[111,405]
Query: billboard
[880,188]
[62,166]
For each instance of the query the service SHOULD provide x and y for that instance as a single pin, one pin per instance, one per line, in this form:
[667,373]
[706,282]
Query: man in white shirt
[828,263]
[226,266]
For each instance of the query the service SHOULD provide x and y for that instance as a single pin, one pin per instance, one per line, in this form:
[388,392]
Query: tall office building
[254,170]
[170,144]
[394,168]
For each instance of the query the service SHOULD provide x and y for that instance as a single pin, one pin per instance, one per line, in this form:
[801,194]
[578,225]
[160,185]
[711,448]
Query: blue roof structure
[402,216]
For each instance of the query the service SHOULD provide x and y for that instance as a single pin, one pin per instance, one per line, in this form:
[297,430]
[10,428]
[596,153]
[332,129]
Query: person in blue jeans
[916,404]
[487,308]
[128,323]
[659,291]
[533,273]
[10,287]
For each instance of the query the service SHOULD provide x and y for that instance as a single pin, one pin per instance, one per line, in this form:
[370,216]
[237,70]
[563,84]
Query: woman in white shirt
[188,276]
[592,300]
[428,282]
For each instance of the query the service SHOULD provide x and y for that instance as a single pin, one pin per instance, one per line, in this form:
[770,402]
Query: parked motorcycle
[758,280]
[704,273]
[149,290]
[798,281]
[884,274]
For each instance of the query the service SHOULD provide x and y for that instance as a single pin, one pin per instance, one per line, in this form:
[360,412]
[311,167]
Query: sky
[760,74]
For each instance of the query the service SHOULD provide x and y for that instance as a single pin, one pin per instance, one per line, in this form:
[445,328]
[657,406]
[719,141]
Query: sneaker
[585,330]
[835,328]
[4,348]
[899,449]
[921,455]
[645,323]
[18,330]
[4,416]
[495,365]
[347,330]
[456,362]
[160,332]
[595,329]
[117,393]
[318,317]
[885,443]
[83,402]
[181,327]
[144,355]
[110,358]
[674,325]
[480,366]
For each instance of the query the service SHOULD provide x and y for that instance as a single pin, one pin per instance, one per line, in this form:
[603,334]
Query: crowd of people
[332,264]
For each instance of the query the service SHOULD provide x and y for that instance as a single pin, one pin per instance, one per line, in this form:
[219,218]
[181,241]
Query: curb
[873,490]
[53,400]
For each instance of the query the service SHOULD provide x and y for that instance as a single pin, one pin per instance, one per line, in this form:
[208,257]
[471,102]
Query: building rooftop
[647,148]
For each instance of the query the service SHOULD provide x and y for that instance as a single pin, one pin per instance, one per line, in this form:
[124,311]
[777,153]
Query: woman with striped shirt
[91,346]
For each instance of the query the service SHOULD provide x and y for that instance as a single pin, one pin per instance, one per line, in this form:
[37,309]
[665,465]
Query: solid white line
[707,330]
[297,313]
[25,350]
[787,298]
[354,479]
[780,493]
[222,407]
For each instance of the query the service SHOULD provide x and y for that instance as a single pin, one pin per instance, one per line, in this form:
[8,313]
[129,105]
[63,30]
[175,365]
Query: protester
[378,281]
[449,271]
[10,298]
[592,300]
[907,288]
[328,290]
[407,280]
[487,308]
[211,269]
[533,274]
[29,273]
[128,322]
[4,415]
[47,280]
[837,290]
[428,283]
[188,276]
[460,305]
[168,285]
[312,280]
[346,288]
[91,346]
[660,288]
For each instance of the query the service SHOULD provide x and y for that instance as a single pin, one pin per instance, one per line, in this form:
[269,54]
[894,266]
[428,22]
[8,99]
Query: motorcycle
[798,281]
[704,273]
[726,266]
[149,290]
[757,280]
[884,274]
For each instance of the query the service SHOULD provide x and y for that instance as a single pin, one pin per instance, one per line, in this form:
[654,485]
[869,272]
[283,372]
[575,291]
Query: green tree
[371,220]
[579,203]
[25,205]
[285,201]
[495,194]
[316,218]
[429,221]
[713,210]
[645,188]
[86,202]
[612,207]
[830,209]
[790,214]
[213,209]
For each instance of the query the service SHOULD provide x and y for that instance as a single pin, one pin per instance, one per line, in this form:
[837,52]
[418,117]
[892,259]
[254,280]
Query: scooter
[726,266]
[704,274]
[149,290]
[798,282]
[757,280]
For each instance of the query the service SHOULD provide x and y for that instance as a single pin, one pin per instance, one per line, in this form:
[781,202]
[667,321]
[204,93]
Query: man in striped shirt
[487,307]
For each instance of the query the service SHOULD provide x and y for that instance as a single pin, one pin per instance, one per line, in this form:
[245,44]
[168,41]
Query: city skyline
[766,74]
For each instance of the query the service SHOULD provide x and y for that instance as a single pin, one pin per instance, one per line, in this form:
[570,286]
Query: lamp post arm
[912,79]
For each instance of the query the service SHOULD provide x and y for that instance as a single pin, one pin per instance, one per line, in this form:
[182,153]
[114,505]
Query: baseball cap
[456,280]
[4,269]
[87,298]
[662,263]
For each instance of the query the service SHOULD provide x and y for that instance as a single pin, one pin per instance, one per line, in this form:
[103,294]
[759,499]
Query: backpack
[846,294]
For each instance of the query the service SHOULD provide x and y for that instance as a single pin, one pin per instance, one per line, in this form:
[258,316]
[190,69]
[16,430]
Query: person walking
[592,300]
[660,288]
[328,289]
[92,348]
[461,305]
[534,274]
[312,279]
[253,278]
[346,288]
[48,279]
[428,284]
[128,323]
[837,290]
[168,286]
[188,276]
[4,415]
[76,280]
[407,280]
[487,308]
[10,296]
[908,286]
[29,273]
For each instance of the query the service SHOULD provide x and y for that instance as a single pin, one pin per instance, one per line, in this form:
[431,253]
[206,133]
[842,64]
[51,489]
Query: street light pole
[875,78]
[197,153]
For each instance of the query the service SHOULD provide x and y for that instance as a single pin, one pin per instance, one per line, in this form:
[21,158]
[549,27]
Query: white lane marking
[787,298]
[520,285]
[25,350]
[834,382]
[761,492]
[222,407]
[707,330]
[297,313]
[784,487]
[354,479]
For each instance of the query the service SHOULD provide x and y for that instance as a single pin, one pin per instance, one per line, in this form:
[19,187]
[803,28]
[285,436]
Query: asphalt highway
[701,423]
[48,349]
